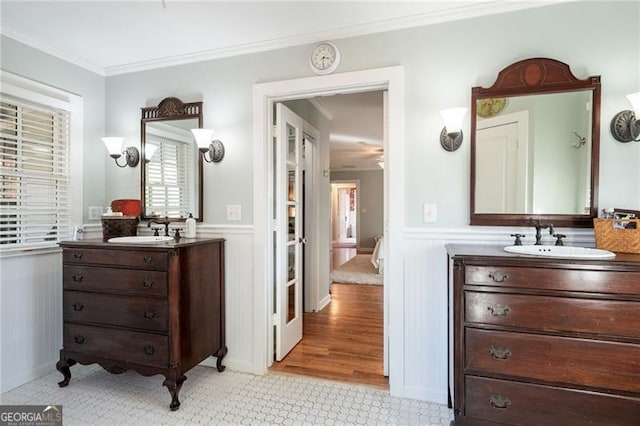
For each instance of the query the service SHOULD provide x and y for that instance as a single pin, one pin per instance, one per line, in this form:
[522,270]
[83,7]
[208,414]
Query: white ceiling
[356,129]
[115,37]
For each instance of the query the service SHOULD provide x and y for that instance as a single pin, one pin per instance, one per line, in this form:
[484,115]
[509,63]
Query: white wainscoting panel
[238,293]
[425,299]
[31,306]
[30,316]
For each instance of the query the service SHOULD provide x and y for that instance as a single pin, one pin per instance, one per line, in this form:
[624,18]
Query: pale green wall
[35,65]
[442,62]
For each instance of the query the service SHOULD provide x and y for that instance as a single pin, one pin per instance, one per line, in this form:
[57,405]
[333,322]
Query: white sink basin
[141,239]
[564,252]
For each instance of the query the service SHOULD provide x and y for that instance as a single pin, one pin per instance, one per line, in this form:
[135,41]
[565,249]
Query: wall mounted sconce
[149,150]
[215,148]
[451,135]
[381,163]
[625,125]
[114,146]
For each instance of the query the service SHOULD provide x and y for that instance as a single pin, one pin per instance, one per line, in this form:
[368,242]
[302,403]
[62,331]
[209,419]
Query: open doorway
[344,214]
[344,339]
[265,96]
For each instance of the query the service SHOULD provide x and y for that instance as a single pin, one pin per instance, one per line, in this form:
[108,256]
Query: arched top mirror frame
[531,77]
[171,109]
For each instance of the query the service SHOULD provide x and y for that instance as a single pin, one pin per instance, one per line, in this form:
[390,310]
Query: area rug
[358,270]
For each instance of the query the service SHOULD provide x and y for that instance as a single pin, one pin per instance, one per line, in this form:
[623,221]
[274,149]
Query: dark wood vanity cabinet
[154,309]
[537,341]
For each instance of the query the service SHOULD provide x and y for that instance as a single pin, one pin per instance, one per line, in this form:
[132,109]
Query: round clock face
[490,106]
[325,58]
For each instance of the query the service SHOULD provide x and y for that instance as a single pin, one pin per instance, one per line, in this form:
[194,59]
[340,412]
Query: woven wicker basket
[119,226]
[611,235]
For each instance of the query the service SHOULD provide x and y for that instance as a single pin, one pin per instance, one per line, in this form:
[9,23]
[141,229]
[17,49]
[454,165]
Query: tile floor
[95,397]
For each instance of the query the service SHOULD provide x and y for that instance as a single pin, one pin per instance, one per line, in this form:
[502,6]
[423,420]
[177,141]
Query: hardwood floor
[344,341]
[340,255]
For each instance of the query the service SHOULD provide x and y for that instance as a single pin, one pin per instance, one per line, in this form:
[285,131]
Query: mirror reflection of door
[501,164]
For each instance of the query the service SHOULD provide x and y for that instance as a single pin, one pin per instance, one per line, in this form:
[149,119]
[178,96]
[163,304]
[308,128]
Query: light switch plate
[95,212]
[234,212]
[430,212]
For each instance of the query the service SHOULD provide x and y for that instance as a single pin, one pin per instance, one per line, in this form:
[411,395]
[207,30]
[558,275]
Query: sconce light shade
[215,148]
[149,150]
[114,146]
[451,135]
[381,164]
[625,125]
[634,98]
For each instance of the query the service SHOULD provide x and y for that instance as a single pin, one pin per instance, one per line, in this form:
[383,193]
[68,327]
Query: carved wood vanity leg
[220,355]
[63,367]
[174,387]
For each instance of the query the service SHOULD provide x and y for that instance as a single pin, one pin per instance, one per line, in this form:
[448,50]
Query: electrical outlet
[234,212]
[430,212]
[95,212]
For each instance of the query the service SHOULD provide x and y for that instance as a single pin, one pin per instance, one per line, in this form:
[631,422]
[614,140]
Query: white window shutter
[35,193]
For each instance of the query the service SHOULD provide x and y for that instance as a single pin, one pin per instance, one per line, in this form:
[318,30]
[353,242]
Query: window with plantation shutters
[35,193]
[168,181]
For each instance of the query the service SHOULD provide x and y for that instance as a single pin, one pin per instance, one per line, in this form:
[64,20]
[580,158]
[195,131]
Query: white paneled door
[287,229]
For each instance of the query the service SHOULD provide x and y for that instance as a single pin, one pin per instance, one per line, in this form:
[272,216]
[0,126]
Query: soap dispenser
[190,227]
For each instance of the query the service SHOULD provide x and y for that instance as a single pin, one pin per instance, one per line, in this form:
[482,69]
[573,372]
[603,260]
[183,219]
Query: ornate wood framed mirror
[171,172]
[535,145]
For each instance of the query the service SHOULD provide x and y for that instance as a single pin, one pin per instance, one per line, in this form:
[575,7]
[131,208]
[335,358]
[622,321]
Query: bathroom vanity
[152,308]
[538,341]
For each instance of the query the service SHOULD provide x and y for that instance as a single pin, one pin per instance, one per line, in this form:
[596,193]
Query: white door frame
[264,95]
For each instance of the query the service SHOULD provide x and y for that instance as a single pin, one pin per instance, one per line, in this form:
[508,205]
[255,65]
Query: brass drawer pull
[149,314]
[78,339]
[78,306]
[147,259]
[149,350]
[499,401]
[498,277]
[499,310]
[147,283]
[77,256]
[77,277]
[500,353]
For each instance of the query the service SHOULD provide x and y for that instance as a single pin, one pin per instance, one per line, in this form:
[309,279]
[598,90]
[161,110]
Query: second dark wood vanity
[538,341]
[154,309]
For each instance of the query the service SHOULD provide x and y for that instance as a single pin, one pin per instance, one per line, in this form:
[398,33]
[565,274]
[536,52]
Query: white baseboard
[9,383]
[324,302]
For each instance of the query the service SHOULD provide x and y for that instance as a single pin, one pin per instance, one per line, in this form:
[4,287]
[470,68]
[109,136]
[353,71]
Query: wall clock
[324,58]
[489,107]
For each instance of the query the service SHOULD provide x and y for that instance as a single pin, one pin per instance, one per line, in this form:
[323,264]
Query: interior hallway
[344,341]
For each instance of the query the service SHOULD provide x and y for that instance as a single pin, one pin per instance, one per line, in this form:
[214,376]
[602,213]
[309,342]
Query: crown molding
[481,8]
[57,53]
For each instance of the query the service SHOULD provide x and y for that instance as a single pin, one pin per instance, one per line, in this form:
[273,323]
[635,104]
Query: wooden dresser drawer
[614,282]
[129,346]
[112,280]
[516,403]
[136,312]
[157,260]
[554,360]
[606,317]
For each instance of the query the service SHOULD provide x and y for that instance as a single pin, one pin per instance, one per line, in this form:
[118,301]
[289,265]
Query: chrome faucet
[165,222]
[539,227]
